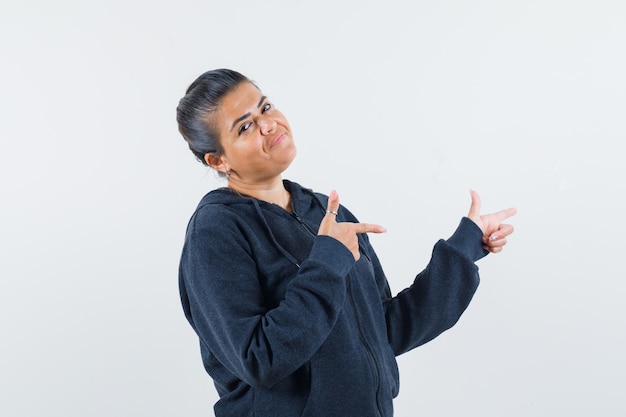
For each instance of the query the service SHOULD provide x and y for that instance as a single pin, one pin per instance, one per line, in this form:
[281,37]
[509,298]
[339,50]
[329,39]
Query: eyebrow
[239,119]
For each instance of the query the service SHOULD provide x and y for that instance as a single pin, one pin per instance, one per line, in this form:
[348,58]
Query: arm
[442,292]
[224,303]
[439,294]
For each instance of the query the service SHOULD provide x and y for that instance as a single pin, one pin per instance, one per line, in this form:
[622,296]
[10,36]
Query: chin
[289,158]
[291,152]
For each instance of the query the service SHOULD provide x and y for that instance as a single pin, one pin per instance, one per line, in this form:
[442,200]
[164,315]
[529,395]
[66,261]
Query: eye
[267,107]
[244,127]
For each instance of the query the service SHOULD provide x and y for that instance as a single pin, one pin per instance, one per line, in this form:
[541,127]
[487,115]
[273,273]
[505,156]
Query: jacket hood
[303,202]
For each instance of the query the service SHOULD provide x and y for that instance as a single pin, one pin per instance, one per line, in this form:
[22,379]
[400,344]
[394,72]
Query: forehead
[241,100]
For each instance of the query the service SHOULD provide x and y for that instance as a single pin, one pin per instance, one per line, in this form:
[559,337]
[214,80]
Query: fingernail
[493,237]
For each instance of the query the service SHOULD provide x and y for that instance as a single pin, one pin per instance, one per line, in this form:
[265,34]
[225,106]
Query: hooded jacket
[290,325]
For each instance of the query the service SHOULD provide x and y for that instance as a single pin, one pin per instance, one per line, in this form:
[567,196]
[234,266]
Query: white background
[400,106]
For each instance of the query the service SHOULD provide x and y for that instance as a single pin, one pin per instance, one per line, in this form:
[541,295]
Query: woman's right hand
[345,232]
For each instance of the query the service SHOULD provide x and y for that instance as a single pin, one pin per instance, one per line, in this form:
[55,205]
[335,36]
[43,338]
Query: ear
[217,162]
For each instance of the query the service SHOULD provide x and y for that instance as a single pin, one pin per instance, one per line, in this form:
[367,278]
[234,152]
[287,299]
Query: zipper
[362,340]
[295,215]
[367,348]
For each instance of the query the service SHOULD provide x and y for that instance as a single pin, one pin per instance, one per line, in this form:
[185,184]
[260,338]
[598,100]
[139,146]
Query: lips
[277,139]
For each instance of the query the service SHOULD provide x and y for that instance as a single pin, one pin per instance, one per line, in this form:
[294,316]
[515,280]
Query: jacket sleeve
[223,301]
[439,294]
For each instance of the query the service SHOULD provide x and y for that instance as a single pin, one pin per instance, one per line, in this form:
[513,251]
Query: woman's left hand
[494,231]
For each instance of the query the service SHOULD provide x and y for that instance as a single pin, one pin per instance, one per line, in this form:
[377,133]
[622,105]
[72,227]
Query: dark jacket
[290,325]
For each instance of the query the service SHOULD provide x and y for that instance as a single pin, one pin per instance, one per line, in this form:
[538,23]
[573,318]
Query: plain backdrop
[400,106]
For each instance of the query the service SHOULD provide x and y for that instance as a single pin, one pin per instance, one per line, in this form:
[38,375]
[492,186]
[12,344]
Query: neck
[272,191]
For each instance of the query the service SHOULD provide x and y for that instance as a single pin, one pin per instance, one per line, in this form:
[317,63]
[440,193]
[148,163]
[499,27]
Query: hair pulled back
[202,98]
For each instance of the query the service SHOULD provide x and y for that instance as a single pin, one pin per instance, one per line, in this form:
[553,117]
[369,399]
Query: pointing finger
[506,213]
[368,228]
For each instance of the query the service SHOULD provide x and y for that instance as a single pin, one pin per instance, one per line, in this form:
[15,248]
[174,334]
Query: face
[256,138]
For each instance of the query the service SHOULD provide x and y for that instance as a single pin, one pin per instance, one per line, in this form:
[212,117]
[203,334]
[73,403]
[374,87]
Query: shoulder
[220,210]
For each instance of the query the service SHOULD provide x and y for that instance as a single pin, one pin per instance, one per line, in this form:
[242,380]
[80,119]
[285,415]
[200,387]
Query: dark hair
[202,98]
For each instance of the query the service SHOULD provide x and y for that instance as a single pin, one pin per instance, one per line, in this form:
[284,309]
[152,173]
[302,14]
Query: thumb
[333,203]
[474,211]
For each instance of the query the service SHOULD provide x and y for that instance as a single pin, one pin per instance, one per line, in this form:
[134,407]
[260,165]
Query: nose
[267,125]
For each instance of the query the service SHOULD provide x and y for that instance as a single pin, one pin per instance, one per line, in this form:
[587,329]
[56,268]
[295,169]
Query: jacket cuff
[467,239]
[331,252]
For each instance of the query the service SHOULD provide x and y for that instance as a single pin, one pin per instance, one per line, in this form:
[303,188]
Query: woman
[293,311]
